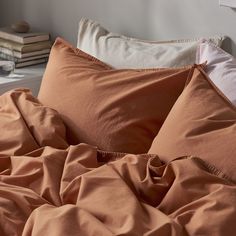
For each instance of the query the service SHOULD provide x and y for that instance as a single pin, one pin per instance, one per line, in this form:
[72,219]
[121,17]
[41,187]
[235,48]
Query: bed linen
[80,190]
[203,123]
[221,67]
[95,40]
[21,117]
[115,109]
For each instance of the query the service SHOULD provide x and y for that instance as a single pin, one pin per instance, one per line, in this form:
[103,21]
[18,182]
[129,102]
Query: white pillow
[123,52]
[221,68]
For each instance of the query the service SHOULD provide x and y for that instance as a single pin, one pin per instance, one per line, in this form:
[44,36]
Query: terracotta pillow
[116,110]
[201,123]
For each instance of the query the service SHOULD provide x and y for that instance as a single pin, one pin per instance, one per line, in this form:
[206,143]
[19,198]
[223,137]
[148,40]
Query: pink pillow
[221,68]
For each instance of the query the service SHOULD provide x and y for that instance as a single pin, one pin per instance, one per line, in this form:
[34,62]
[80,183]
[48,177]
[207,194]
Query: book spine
[35,53]
[17,60]
[43,56]
[30,63]
[11,37]
[24,48]
[34,39]
[36,46]
[23,55]
[23,38]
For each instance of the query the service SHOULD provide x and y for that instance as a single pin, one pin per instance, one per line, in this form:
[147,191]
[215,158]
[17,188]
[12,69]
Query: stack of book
[24,49]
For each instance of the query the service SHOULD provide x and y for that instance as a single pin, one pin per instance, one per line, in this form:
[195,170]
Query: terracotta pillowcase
[118,110]
[202,123]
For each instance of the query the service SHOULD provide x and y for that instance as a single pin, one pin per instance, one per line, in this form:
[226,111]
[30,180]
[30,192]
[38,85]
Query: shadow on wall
[38,14]
[232,43]
[228,44]
[191,19]
[11,12]
[126,17]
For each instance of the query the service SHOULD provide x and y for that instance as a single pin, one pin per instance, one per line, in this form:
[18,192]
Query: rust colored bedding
[79,190]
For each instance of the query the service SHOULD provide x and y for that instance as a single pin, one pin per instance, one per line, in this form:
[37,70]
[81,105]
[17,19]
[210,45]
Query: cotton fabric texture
[221,68]
[120,51]
[83,191]
[21,117]
[201,123]
[116,110]
[50,188]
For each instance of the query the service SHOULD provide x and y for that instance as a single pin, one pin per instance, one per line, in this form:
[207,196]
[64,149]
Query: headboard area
[149,19]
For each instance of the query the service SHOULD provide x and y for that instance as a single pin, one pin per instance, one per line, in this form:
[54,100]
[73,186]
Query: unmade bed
[118,146]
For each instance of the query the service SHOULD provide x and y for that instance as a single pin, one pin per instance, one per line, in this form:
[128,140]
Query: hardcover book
[22,55]
[17,60]
[30,63]
[25,47]
[23,38]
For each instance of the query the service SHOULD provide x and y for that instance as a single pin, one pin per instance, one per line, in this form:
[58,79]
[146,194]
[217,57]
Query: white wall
[146,19]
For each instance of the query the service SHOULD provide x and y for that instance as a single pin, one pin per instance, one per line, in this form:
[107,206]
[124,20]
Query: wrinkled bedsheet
[80,190]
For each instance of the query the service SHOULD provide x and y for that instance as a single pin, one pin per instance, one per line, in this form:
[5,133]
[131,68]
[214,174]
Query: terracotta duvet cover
[50,188]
